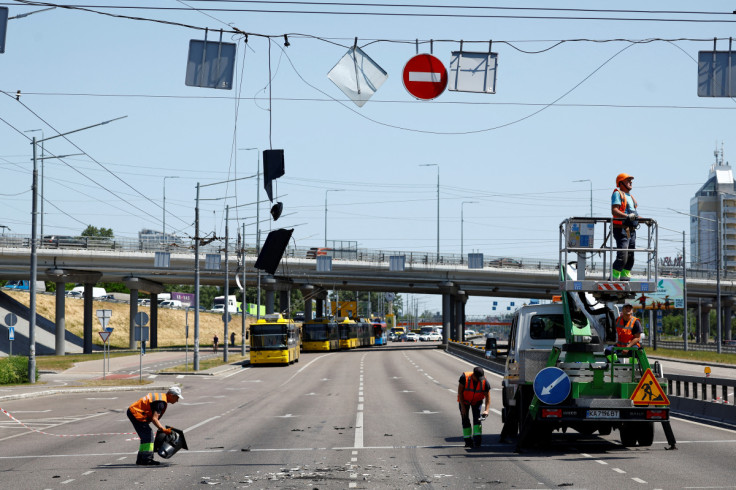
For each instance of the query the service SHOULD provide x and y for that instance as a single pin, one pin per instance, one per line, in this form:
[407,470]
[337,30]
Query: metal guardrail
[691,345]
[711,398]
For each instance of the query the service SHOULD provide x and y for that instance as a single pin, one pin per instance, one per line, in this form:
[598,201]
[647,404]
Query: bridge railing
[413,258]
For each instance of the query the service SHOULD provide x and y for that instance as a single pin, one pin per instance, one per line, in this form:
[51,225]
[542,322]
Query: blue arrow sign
[11,333]
[552,385]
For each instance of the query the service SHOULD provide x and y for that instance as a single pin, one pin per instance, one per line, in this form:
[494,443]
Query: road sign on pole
[104,317]
[11,333]
[552,385]
[104,336]
[141,318]
[11,319]
[425,76]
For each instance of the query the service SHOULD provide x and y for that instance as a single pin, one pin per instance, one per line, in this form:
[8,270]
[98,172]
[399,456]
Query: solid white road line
[195,426]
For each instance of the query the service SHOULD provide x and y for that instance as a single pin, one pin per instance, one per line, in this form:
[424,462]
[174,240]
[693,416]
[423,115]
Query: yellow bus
[320,334]
[274,340]
[348,334]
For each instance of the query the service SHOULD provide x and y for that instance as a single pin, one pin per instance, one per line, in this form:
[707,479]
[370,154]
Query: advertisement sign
[187,299]
[669,295]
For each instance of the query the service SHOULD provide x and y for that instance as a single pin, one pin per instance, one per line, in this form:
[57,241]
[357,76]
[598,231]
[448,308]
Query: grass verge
[694,355]
[207,364]
[116,382]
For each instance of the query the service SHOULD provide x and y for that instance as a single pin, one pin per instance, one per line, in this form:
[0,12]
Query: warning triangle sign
[649,392]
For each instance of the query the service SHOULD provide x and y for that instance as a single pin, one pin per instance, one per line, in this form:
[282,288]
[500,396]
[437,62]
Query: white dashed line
[599,461]
[618,470]
[638,480]
[67,481]
[88,472]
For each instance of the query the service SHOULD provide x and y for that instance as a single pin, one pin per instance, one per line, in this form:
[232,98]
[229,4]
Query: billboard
[669,295]
[187,299]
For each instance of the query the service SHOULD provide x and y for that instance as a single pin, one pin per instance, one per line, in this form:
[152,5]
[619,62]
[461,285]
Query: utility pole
[196,281]
[245,290]
[226,314]
[684,293]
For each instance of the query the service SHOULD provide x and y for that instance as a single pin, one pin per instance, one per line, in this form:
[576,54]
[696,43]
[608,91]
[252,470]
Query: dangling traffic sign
[649,392]
[425,76]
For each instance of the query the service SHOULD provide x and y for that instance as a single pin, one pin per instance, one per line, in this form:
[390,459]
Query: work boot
[477,441]
[468,442]
[146,459]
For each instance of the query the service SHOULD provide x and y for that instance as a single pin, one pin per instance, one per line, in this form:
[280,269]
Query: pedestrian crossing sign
[649,392]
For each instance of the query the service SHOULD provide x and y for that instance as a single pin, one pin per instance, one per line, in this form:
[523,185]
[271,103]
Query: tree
[98,232]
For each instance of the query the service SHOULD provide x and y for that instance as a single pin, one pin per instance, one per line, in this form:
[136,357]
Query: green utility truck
[563,370]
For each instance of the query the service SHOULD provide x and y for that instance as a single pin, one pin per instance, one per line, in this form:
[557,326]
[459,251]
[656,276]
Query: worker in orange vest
[149,409]
[625,216]
[472,390]
[628,328]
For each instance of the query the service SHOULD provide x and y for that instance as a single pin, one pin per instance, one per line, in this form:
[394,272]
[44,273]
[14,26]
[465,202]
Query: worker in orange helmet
[625,222]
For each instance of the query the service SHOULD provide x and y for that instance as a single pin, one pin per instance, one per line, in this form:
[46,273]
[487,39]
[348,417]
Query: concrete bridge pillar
[307,309]
[320,308]
[727,306]
[153,337]
[285,302]
[60,319]
[88,315]
[704,324]
[270,297]
[133,312]
[460,299]
[446,324]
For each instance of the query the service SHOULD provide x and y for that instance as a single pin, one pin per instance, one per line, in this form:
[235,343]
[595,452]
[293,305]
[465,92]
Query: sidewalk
[124,367]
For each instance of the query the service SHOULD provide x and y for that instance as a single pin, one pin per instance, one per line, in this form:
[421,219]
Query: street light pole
[438,203]
[43,159]
[164,224]
[462,226]
[34,252]
[591,193]
[326,191]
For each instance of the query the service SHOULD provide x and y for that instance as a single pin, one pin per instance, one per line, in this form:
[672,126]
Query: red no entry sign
[425,77]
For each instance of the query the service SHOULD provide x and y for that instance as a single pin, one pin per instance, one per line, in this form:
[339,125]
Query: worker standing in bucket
[625,222]
[149,409]
[472,390]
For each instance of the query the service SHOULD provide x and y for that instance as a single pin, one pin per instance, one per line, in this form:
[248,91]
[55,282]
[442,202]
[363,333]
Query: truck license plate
[602,414]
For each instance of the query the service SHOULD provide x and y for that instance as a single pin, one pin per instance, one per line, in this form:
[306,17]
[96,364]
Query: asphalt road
[376,418]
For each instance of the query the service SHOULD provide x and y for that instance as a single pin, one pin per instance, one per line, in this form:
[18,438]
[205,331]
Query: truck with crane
[564,370]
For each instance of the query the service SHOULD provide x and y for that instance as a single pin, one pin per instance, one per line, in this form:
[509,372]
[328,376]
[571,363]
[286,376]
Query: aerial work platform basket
[578,237]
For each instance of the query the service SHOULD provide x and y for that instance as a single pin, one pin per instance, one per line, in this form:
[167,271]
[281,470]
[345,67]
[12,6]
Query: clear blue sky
[636,111]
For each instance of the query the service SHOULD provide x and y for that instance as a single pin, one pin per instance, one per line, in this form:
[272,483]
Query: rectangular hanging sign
[473,72]
[3,27]
[717,74]
[210,64]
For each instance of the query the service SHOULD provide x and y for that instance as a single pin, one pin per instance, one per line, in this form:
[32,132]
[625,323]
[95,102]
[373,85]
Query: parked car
[144,302]
[74,294]
[218,309]
[411,337]
[170,303]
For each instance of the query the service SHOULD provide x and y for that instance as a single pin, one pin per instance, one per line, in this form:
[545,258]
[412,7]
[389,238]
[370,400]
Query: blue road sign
[11,333]
[552,385]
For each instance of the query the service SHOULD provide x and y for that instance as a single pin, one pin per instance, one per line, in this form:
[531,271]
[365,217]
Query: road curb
[98,389]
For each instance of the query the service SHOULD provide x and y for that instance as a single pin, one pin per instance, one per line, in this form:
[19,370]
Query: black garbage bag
[167,445]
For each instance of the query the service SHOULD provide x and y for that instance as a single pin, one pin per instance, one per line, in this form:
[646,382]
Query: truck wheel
[604,430]
[627,432]
[645,434]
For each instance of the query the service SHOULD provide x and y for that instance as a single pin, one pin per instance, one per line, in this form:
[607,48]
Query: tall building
[714,205]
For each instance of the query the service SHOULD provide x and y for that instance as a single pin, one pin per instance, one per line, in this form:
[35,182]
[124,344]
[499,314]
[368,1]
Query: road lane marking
[618,470]
[31,411]
[67,481]
[600,461]
[638,480]
[195,426]
[236,372]
[303,368]
[88,472]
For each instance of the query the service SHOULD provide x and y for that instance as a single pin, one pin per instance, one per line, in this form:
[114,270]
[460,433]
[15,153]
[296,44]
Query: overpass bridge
[133,263]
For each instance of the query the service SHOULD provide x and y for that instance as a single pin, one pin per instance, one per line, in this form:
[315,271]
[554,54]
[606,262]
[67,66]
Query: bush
[14,370]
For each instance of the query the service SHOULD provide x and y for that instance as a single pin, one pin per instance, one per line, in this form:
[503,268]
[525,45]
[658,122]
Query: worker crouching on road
[471,392]
[149,409]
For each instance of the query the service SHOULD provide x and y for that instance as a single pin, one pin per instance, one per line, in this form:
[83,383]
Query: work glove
[166,431]
[632,216]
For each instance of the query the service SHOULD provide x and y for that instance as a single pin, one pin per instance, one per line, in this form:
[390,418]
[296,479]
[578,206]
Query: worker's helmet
[622,177]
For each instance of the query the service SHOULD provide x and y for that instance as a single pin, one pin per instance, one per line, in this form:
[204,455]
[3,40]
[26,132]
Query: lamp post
[717,221]
[164,224]
[328,190]
[462,227]
[591,193]
[34,251]
[438,203]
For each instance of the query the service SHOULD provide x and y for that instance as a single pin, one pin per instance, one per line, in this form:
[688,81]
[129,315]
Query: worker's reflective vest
[625,331]
[474,392]
[142,408]
[622,206]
